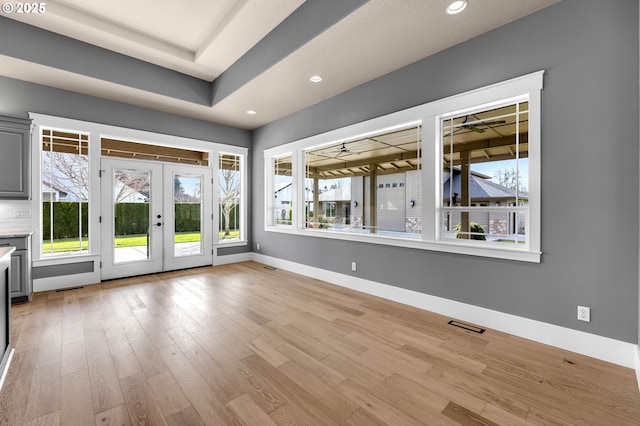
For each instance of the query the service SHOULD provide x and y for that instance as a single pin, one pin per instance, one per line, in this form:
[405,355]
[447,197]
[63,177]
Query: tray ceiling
[247,51]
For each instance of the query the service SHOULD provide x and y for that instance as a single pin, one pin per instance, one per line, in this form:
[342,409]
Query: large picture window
[460,175]
[369,185]
[64,190]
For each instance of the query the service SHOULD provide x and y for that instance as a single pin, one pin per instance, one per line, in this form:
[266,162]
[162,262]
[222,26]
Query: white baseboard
[604,348]
[638,366]
[4,372]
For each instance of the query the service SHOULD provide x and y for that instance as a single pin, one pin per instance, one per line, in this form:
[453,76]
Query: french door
[155,217]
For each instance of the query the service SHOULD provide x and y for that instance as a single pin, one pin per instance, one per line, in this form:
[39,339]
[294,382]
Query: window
[460,175]
[330,210]
[230,192]
[282,190]
[340,175]
[485,160]
[64,188]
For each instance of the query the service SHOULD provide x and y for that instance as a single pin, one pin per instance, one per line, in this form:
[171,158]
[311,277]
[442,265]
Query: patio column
[316,198]
[373,199]
[465,157]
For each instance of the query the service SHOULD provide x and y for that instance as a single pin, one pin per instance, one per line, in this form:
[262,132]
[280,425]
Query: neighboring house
[52,193]
[399,200]
[334,203]
[125,194]
[485,192]
[282,201]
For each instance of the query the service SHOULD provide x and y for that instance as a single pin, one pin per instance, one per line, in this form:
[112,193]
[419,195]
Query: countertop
[15,234]
[5,251]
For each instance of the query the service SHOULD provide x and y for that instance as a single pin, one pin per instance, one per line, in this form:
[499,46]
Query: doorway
[155,217]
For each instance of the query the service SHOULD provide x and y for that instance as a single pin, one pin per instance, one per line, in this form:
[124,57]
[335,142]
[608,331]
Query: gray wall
[18,98]
[590,153]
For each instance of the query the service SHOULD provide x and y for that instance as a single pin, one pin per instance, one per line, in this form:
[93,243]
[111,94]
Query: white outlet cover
[584,313]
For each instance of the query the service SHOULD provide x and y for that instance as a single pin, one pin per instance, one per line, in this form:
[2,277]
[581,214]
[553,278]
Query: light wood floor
[240,344]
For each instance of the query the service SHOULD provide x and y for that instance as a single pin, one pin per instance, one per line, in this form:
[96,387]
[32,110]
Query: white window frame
[442,209]
[242,240]
[269,182]
[429,116]
[39,123]
[96,131]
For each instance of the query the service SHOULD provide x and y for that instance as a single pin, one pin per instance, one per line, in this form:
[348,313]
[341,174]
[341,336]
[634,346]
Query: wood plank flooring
[243,345]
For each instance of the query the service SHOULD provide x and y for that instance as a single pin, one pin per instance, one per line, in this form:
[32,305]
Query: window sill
[61,260]
[521,255]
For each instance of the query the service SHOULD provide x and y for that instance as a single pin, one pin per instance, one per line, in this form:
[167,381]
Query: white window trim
[56,123]
[428,115]
[242,241]
[97,131]
[439,197]
[269,186]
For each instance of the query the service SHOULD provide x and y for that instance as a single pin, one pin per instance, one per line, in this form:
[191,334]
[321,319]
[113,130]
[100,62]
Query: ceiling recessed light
[251,112]
[315,79]
[456,7]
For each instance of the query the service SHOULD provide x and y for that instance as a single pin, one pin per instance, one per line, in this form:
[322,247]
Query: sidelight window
[64,191]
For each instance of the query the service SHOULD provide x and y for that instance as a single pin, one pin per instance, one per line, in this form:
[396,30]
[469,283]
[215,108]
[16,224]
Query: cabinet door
[15,160]
[18,259]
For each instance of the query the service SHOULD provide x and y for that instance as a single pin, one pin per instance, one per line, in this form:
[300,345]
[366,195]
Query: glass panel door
[132,218]
[188,235]
[187,215]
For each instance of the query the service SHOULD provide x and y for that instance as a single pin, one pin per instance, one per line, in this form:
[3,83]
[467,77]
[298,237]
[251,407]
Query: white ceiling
[203,38]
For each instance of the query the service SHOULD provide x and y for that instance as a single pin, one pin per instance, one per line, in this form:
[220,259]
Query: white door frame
[172,260]
[161,256]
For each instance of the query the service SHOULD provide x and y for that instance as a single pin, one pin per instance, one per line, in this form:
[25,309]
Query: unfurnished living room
[310,212]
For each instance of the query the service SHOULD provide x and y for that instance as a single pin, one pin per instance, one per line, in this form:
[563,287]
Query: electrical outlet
[258,246]
[584,313]
[353,266]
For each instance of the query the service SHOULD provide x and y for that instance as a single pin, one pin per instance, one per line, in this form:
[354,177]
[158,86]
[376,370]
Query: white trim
[603,348]
[6,368]
[429,114]
[96,131]
[638,366]
[230,243]
[133,135]
[467,247]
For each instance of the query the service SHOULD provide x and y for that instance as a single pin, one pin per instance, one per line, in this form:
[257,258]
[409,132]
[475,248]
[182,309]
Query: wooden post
[465,226]
[316,200]
[373,199]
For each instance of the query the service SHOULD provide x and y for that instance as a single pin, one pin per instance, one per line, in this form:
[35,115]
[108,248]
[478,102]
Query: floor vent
[70,288]
[271,268]
[466,326]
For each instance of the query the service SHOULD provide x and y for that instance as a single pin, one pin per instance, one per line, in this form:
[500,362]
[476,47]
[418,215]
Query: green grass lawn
[71,244]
